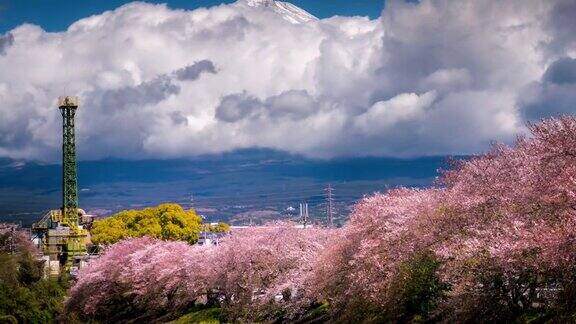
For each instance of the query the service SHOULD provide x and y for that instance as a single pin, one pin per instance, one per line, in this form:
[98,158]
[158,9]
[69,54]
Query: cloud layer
[436,77]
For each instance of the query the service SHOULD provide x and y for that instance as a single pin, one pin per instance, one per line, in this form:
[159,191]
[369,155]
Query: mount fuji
[288,11]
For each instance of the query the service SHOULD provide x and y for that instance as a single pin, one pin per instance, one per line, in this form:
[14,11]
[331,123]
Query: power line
[296,194]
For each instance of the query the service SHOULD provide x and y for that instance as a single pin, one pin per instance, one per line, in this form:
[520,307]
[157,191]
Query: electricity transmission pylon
[330,206]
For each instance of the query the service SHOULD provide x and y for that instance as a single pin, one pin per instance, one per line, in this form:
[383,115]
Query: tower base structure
[63,243]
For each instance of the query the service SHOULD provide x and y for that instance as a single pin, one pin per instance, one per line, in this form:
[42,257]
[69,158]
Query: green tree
[418,288]
[166,221]
[25,297]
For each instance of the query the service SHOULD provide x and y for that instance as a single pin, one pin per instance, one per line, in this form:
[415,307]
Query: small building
[210,238]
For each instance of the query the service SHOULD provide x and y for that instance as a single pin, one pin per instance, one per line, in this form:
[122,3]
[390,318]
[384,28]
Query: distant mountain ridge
[225,187]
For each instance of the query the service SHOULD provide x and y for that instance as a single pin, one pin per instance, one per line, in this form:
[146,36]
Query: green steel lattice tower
[62,233]
[75,244]
[68,106]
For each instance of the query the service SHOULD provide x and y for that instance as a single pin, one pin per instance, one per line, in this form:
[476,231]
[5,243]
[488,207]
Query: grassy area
[205,316]
[318,314]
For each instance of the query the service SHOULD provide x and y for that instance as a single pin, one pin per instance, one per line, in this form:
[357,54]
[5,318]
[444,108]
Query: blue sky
[56,15]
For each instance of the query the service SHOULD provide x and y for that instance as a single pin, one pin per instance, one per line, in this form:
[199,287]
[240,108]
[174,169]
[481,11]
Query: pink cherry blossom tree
[360,272]
[261,271]
[141,276]
[252,274]
[515,245]
[500,225]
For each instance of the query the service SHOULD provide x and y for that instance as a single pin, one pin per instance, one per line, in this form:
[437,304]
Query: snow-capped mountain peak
[288,11]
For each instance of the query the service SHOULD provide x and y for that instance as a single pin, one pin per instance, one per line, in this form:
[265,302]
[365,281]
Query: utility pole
[306,215]
[329,206]
[10,242]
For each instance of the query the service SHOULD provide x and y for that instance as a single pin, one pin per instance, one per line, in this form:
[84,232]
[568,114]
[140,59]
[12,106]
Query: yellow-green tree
[217,228]
[166,221]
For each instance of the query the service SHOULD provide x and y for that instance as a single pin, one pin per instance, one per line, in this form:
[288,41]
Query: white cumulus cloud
[427,78]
